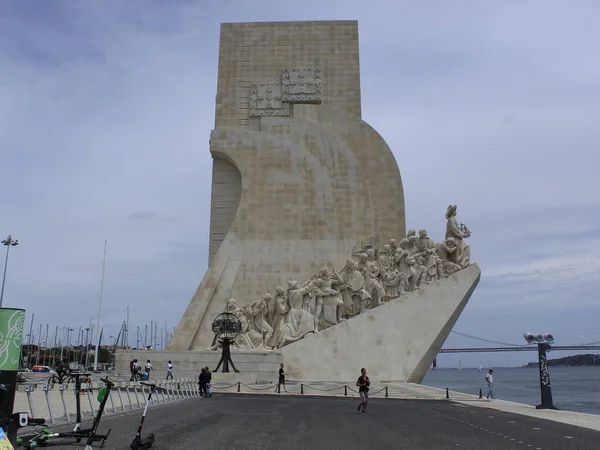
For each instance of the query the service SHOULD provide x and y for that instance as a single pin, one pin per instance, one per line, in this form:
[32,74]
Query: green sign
[11,336]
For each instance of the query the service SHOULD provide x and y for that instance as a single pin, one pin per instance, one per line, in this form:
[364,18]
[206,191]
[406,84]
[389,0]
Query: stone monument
[303,192]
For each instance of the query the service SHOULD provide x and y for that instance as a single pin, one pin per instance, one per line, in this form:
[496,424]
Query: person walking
[202,382]
[281,381]
[133,368]
[363,384]
[148,369]
[208,376]
[489,379]
[169,370]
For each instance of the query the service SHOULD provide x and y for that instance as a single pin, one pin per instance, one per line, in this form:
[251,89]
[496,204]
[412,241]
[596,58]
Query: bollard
[480,394]
[46,389]
[112,402]
[447,393]
[137,396]
[386,392]
[239,384]
[29,389]
[345,390]
[128,395]
[301,388]
[62,388]
[89,396]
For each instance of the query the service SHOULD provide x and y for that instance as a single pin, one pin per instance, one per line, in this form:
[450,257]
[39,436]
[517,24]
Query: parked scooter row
[88,436]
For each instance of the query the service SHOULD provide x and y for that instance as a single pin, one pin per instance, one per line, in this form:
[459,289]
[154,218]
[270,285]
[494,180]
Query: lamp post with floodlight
[543,342]
[8,242]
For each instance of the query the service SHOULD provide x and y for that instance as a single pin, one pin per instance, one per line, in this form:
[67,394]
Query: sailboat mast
[100,308]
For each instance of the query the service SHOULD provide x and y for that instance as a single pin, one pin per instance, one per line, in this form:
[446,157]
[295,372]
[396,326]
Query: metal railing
[57,404]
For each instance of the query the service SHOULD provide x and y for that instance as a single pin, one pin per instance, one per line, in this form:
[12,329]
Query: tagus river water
[573,388]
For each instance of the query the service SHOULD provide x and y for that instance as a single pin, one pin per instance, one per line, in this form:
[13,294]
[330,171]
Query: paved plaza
[292,422]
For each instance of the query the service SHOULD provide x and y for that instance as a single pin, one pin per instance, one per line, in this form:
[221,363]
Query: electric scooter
[47,437]
[138,442]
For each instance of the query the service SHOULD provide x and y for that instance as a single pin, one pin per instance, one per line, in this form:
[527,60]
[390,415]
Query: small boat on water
[480,367]
[459,365]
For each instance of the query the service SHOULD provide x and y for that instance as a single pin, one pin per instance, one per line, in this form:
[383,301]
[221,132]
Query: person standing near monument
[208,376]
[169,370]
[281,381]
[489,379]
[363,384]
[148,368]
[202,382]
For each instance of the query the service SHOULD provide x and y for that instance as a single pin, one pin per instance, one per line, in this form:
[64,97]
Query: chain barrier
[259,389]
[325,390]
[213,386]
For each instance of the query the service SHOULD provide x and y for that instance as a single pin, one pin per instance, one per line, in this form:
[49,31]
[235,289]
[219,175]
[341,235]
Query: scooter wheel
[151,437]
[135,444]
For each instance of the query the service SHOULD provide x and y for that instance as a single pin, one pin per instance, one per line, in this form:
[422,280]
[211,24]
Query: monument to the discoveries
[303,193]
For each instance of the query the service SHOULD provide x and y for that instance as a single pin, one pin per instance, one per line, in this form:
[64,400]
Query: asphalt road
[253,422]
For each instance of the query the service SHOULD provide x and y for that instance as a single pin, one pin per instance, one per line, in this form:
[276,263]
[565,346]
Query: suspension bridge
[505,347]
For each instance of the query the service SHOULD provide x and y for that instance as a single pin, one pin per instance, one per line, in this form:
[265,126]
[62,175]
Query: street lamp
[543,342]
[9,242]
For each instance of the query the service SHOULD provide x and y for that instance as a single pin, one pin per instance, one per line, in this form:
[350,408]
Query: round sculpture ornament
[226,326]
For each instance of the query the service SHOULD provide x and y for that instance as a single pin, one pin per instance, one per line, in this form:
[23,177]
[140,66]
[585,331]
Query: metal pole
[9,242]
[29,362]
[100,307]
[37,355]
[545,388]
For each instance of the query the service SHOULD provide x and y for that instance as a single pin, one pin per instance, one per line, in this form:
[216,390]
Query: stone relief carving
[369,279]
[266,99]
[296,85]
[301,84]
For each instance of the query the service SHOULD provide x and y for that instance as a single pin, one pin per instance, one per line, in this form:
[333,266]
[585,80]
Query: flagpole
[100,309]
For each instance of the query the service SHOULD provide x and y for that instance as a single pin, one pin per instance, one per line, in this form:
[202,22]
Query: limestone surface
[298,177]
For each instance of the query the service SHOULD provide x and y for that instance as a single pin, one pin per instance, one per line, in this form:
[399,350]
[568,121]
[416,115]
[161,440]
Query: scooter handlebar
[107,381]
[153,386]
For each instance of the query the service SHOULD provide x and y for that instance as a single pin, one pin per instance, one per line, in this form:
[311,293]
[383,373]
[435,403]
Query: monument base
[396,341]
[254,366]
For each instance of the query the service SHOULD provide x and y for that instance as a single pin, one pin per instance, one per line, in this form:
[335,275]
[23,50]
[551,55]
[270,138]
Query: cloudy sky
[105,114]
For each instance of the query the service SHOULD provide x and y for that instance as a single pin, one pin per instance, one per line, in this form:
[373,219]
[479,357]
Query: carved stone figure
[300,319]
[406,264]
[371,272]
[393,246]
[447,252]
[329,306]
[258,319]
[354,294]
[281,311]
[249,338]
[431,263]
[391,278]
[412,245]
[424,242]
[459,232]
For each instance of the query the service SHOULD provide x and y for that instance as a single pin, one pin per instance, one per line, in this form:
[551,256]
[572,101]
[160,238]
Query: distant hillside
[572,361]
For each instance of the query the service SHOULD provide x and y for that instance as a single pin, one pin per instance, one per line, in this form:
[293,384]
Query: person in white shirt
[489,379]
[169,370]
[148,367]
